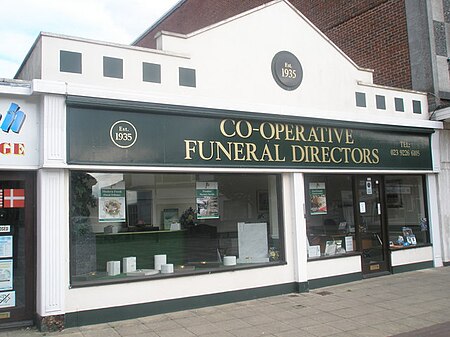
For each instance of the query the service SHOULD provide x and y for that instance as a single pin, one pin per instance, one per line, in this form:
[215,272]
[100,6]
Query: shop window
[187,77]
[399,106]
[330,223]
[132,226]
[69,62]
[406,211]
[381,102]
[112,67]
[151,72]
[360,99]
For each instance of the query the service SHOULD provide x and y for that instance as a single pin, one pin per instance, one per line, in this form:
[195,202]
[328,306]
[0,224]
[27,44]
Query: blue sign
[13,120]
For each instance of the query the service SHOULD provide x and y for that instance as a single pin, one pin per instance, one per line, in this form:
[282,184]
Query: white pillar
[52,242]
[295,211]
[52,210]
[434,223]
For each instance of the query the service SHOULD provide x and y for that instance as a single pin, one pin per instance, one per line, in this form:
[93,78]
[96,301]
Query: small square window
[361,99]
[399,106]
[381,102]
[151,72]
[112,67]
[69,62]
[187,77]
[417,107]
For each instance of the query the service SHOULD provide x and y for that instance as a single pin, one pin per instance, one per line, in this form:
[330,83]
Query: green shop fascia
[109,132]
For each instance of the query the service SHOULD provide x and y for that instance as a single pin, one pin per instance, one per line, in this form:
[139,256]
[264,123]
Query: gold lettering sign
[281,142]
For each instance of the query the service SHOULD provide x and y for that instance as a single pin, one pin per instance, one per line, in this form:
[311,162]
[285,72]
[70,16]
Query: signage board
[114,137]
[19,132]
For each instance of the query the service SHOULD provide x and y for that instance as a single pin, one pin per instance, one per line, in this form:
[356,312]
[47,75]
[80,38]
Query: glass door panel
[369,225]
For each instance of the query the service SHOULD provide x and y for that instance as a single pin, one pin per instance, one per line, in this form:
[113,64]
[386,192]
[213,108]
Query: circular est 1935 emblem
[287,70]
[123,134]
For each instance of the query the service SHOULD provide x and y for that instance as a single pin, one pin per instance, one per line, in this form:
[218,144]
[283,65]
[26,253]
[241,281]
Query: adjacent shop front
[18,163]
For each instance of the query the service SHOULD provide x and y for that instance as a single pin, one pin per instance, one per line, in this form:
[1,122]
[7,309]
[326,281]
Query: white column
[434,223]
[443,138]
[295,211]
[53,134]
[52,241]
[52,209]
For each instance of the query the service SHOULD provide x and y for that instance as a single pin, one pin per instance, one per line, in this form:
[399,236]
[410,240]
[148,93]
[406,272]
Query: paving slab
[410,304]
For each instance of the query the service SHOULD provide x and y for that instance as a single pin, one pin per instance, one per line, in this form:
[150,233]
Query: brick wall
[372,33]
[196,14]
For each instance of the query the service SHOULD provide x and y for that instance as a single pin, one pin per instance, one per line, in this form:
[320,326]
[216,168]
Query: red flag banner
[13,198]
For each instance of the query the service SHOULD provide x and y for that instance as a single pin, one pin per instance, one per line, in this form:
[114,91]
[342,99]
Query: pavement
[408,304]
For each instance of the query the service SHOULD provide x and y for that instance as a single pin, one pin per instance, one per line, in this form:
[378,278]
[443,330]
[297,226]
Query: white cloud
[8,69]
[108,20]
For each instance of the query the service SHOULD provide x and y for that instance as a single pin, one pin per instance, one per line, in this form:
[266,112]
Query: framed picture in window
[263,201]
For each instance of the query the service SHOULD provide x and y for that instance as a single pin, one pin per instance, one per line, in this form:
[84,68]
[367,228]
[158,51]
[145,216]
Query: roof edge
[161,19]
[25,60]
[248,12]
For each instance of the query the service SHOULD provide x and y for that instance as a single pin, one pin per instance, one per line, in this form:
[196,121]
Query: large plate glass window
[330,225]
[406,211]
[132,226]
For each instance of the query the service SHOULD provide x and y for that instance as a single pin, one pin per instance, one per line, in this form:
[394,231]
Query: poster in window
[6,246]
[318,198]
[207,199]
[6,274]
[111,204]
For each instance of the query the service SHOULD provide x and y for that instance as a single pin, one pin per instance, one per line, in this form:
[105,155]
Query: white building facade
[247,159]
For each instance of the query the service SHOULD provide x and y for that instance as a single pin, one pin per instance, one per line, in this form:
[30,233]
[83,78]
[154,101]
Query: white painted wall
[334,267]
[232,60]
[412,255]
[171,288]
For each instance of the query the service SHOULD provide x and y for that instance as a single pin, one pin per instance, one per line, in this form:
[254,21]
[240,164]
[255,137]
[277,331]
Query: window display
[130,225]
[329,215]
[398,214]
[407,219]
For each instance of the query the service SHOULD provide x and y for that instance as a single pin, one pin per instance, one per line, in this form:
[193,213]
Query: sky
[118,21]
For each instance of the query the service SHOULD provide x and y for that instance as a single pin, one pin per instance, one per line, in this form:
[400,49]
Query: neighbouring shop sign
[19,132]
[114,137]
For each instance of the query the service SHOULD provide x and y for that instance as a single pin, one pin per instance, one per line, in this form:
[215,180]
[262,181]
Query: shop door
[369,229]
[17,271]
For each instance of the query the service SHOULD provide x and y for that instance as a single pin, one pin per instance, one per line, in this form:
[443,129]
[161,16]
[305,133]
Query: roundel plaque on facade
[123,134]
[287,70]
